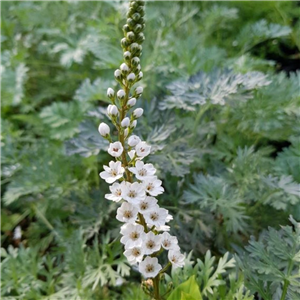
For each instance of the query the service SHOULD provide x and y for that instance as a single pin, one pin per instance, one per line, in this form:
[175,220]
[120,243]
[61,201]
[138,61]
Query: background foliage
[221,108]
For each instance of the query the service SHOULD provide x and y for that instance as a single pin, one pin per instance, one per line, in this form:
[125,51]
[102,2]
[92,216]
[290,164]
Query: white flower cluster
[140,239]
[133,183]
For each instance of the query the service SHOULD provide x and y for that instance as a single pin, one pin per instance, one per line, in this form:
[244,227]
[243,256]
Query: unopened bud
[131,102]
[131,77]
[125,122]
[138,28]
[121,94]
[140,76]
[118,74]
[138,112]
[103,129]
[130,36]
[126,131]
[112,110]
[124,43]
[134,47]
[133,140]
[126,28]
[139,90]
[135,61]
[110,93]
[130,22]
[127,55]
[133,124]
[140,37]
[124,68]
[136,16]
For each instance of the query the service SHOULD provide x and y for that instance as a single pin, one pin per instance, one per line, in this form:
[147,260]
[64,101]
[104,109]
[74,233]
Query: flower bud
[139,90]
[118,74]
[138,112]
[124,68]
[138,28]
[140,37]
[126,131]
[121,94]
[131,77]
[112,110]
[134,47]
[138,68]
[127,55]
[133,124]
[130,23]
[133,140]
[135,61]
[110,93]
[124,43]
[136,16]
[140,76]
[126,28]
[131,102]
[125,122]
[130,36]
[103,129]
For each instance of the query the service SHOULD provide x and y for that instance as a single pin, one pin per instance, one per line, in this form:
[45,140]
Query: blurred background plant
[221,99]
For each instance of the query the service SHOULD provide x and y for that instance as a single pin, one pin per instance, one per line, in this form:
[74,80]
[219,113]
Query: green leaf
[188,290]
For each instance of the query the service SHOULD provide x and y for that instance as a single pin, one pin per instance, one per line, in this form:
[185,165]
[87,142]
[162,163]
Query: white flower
[103,129]
[139,90]
[156,217]
[142,149]
[125,122]
[124,68]
[131,102]
[121,94]
[113,172]
[115,149]
[133,192]
[176,258]
[149,267]
[110,93]
[148,204]
[153,186]
[131,77]
[151,243]
[138,112]
[133,140]
[133,124]
[112,110]
[127,213]
[134,255]
[17,233]
[115,192]
[169,242]
[133,235]
[143,171]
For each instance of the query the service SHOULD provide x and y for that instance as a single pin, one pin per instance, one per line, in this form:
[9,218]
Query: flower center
[166,243]
[149,268]
[150,244]
[113,173]
[136,252]
[143,172]
[127,214]
[173,259]
[116,149]
[154,216]
[132,194]
[134,235]
[118,192]
[144,205]
[150,187]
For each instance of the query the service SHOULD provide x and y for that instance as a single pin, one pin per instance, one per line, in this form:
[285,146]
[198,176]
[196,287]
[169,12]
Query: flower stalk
[133,182]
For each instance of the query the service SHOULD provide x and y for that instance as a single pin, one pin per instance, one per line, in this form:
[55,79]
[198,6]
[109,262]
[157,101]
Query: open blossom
[153,186]
[156,217]
[149,267]
[151,242]
[176,258]
[113,172]
[133,192]
[133,235]
[148,204]
[143,171]
[116,190]
[169,242]
[115,149]
[142,149]
[127,213]
[134,255]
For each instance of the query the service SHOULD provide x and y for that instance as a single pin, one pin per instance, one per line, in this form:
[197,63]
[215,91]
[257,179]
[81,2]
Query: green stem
[200,113]
[156,287]
[286,281]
